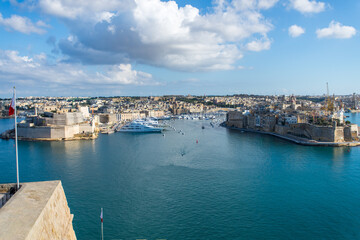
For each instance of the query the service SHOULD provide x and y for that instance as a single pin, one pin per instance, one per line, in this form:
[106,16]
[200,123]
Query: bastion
[38,210]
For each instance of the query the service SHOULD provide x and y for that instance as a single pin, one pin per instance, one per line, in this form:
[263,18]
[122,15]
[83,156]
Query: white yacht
[140,126]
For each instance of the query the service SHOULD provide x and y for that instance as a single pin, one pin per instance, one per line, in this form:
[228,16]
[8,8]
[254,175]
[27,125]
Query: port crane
[329,101]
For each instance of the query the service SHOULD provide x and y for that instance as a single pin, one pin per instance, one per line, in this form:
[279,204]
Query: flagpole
[16,144]
[102,225]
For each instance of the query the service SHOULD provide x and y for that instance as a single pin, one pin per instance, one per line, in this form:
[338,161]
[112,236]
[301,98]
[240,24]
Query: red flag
[12,106]
[101,215]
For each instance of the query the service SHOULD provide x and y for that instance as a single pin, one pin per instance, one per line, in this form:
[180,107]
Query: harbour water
[211,183]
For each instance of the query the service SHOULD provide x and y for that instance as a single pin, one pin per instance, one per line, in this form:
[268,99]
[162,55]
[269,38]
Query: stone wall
[57,132]
[74,118]
[66,119]
[34,132]
[38,211]
[282,129]
[347,134]
[235,119]
[267,123]
[339,135]
[54,132]
[317,133]
[87,128]
[57,119]
[71,130]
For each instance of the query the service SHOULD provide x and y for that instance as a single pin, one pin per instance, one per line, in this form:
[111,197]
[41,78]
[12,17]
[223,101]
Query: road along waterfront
[212,183]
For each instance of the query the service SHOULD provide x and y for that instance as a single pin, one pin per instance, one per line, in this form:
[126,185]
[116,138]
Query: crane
[329,102]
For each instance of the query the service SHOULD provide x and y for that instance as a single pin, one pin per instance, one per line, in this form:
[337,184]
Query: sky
[197,47]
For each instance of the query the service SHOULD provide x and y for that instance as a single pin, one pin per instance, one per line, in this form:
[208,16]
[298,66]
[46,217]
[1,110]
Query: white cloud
[124,74]
[22,24]
[160,33]
[89,10]
[251,4]
[296,31]
[307,6]
[259,45]
[111,28]
[245,67]
[42,24]
[336,30]
[266,4]
[13,56]
[37,70]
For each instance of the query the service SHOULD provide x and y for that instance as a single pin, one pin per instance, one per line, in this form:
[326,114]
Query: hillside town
[308,121]
[315,118]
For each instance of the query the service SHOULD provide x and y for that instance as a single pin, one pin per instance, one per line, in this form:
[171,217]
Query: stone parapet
[39,210]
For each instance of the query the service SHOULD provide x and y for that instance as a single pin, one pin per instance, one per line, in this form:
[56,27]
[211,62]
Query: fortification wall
[339,134]
[57,119]
[317,133]
[70,118]
[304,130]
[236,123]
[347,134]
[38,210]
[57,132]
[86,128]
[282,130]
[49,132]
[74,118]
[34,132]
[71,130]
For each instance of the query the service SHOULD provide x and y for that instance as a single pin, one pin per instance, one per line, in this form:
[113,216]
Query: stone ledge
[6,192]
[39,210]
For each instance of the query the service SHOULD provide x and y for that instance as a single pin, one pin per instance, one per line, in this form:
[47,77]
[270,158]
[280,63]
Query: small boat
[105,130]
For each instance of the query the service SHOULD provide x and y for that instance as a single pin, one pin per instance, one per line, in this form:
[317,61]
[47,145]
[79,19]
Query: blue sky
[153,47]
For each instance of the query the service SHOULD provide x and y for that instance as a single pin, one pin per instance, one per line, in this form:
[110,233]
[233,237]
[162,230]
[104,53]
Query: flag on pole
[12,110]
[102,227]
[12,106]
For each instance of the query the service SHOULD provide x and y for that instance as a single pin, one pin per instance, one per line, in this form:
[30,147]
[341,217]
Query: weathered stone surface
[39,210]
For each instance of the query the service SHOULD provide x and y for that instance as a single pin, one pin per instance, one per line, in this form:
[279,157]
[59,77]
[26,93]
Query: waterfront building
[288,126]
[54,126]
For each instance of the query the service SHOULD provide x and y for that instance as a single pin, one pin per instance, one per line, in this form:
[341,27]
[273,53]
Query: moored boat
[140,127]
